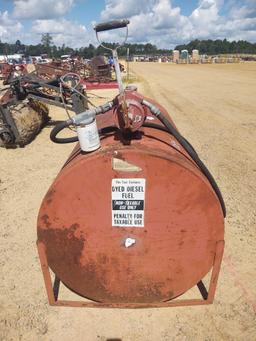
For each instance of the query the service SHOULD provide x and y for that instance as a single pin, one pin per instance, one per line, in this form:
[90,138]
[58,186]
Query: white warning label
[128,202]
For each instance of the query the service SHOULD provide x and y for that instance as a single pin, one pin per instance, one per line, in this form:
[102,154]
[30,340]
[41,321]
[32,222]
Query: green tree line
[46,46]
[213,47]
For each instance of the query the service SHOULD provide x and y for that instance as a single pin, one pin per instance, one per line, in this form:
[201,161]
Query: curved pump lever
[112,25]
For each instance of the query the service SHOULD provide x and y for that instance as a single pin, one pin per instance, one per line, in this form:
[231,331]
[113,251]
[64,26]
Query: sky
[165,23]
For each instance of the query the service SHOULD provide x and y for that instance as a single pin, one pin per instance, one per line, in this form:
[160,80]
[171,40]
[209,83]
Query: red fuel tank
[135,223]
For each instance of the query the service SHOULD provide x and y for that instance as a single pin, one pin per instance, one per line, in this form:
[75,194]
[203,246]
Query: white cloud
[64,32]
[41,9]
[155,21]
[121,9]
[243,12]
[163,24]
[206,12]
[9,28]
[165,16]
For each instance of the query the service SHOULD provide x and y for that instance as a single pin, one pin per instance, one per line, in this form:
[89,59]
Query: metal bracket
[207,296]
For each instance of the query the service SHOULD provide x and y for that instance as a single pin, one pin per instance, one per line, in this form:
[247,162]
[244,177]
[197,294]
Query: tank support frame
[52,289]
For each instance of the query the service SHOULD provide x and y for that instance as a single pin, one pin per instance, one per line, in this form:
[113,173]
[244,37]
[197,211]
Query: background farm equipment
[59,68]
[8,72]
[100,68]
[95,74]
[23,106]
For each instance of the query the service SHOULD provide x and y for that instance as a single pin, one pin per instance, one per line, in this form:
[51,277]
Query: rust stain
[103,259]
[151,292]
[60,242]
[45,219]
[49,196]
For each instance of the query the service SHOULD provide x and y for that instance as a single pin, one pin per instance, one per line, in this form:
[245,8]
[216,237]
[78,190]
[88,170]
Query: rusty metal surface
[43,70]
[96,84]
[100,67]
[10,71]
[173,252]
[6,97]
[5,69]
[53,291]
[91,77]
[57,69]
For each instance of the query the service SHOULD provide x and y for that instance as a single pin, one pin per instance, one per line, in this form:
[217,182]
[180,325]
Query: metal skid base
[52,289]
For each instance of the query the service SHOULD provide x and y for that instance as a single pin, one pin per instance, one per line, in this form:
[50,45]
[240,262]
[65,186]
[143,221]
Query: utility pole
[128,63]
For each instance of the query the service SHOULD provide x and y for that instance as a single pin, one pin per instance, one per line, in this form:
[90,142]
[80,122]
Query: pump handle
[111,25]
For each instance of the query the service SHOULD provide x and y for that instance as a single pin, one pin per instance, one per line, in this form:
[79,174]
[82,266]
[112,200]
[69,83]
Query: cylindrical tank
[195,55]
[176,56]
[135,221]
[184,55]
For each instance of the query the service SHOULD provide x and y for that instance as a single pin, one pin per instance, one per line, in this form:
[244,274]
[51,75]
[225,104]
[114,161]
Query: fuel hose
[62,140]
[189,149]
[167,127]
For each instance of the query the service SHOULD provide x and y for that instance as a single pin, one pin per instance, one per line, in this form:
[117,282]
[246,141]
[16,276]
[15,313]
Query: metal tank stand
[52,289]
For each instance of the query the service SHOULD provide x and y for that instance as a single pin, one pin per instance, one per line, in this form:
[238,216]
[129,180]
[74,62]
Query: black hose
[163,128]
[190,150]
[108,130]
[102,131]
[169,128]
[57,129]
[64,124]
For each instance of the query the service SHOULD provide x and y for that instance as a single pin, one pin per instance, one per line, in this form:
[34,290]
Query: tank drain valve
[129,242]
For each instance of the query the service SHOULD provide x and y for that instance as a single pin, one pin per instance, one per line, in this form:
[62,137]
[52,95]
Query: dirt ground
[214,107]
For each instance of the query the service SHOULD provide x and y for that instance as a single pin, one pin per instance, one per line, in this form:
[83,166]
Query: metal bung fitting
[129,242]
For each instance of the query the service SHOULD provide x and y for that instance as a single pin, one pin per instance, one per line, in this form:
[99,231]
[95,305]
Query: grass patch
[131,79]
